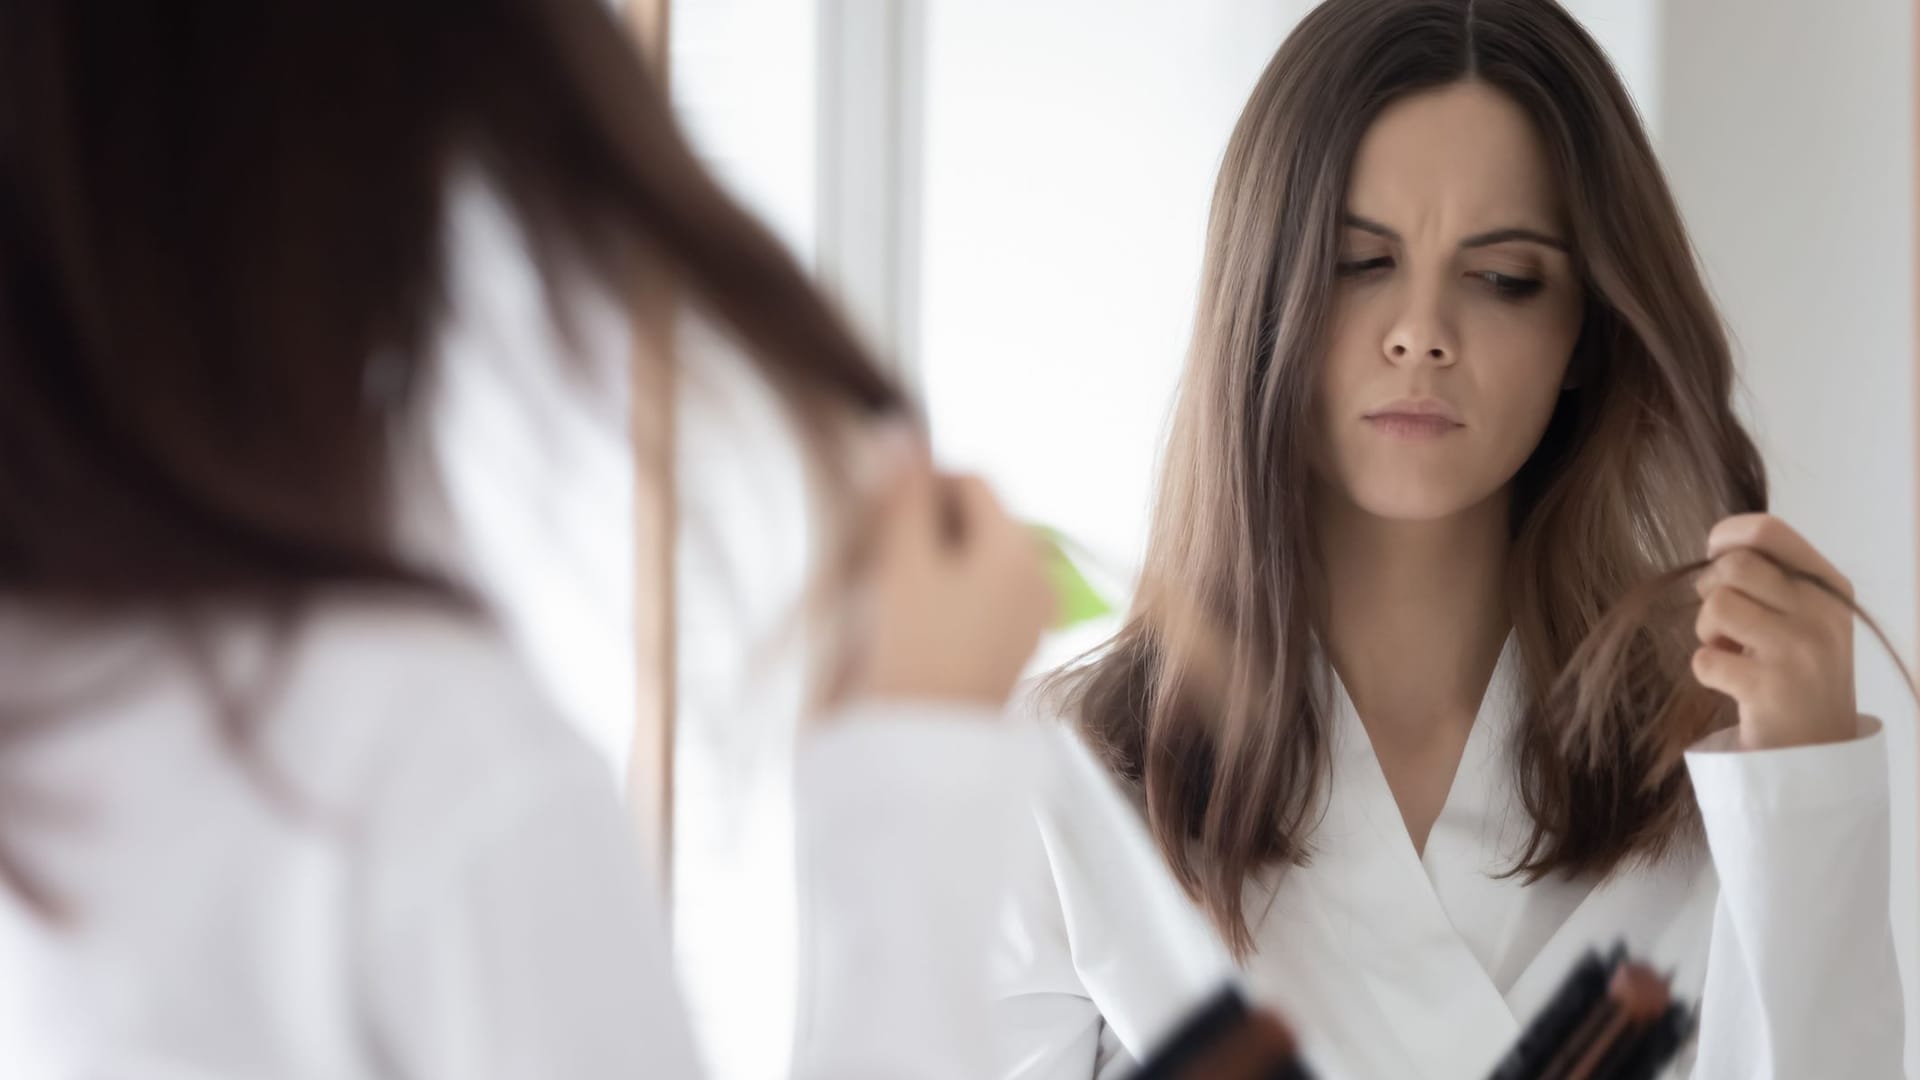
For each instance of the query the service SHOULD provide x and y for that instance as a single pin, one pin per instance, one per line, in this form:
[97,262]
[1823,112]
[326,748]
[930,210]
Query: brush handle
[1224,1039]
[1611,1019]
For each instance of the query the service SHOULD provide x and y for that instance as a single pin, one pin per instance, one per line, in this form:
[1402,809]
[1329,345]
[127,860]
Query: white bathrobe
[455,891]
[1394,964]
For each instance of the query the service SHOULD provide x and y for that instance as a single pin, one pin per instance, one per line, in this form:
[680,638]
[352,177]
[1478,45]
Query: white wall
[1070,152]
[744,83]
[1787,130]
[1629,31]
[743,560]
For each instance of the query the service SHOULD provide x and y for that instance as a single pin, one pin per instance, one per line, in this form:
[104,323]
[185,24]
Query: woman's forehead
[1463,158]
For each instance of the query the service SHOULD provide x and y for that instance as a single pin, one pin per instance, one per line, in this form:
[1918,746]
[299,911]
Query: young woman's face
[1455,312]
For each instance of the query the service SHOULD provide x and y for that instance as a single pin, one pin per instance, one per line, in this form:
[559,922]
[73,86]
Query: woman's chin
[1416,500]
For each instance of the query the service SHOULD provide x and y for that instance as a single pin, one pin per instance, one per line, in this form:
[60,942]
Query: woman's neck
[1417,611]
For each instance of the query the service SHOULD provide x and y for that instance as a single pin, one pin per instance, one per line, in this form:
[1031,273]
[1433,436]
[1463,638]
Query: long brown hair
[1212,699]
[222,272]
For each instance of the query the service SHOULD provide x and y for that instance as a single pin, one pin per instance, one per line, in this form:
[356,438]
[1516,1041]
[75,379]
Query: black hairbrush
[1611,1019]
[1226,1040]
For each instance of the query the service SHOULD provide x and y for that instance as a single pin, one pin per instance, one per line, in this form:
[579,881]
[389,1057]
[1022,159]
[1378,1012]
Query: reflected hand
[1777,643]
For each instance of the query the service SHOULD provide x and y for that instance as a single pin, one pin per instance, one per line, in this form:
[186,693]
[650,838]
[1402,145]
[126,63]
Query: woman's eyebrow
[1355,221]
[1485,239]
[1502,236]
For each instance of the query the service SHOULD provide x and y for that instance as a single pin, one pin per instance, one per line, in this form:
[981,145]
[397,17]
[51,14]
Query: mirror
[1012,200]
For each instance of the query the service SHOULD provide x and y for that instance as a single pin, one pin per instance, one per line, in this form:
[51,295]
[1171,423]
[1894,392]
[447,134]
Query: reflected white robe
[1394,964]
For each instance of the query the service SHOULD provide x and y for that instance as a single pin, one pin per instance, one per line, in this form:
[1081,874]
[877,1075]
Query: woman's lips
[1424,418]
[1413,427]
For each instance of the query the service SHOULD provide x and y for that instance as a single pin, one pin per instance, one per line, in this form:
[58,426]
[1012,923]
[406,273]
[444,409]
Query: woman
[1455,390]
[279,798]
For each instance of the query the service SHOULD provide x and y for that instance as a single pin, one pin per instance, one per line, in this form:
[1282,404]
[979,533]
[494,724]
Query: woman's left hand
[1781,647]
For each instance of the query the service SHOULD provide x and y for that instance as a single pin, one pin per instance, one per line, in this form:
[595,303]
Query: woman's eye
[1509,286]
[1362,267]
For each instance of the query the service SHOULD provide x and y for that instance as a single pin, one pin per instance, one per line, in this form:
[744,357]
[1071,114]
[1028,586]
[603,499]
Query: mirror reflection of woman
[1456,387]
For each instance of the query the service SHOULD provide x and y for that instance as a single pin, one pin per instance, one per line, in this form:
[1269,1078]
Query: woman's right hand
[956,595]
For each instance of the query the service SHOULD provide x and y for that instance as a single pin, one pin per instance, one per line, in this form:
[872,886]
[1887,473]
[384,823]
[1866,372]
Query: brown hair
[221,273]
[1212,699]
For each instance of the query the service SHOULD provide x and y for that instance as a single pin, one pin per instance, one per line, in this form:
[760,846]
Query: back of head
[221,269]
[222,276]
